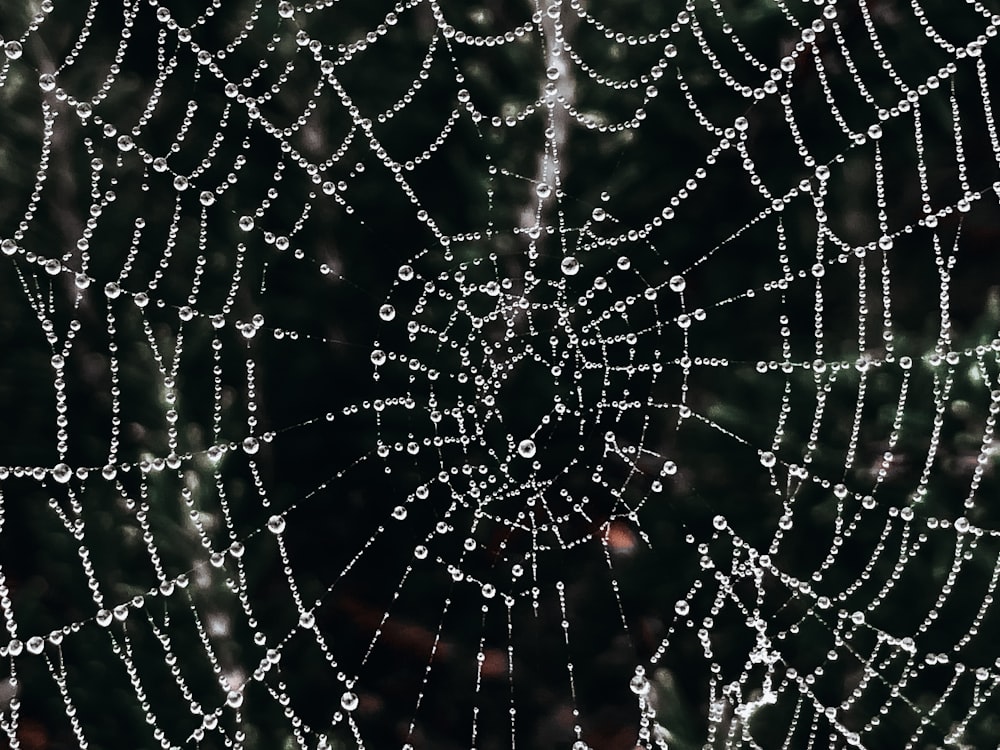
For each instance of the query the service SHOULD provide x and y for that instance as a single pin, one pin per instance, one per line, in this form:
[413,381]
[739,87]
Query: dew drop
[526,448]
[387,312]
[639,685]
[276,524]
[251,445]
[62,473]
[349,701]
[570,266]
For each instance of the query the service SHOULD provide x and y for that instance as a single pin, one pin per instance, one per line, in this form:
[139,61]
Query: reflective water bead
[276,524]
[349,701]
[62,473]
[526,448]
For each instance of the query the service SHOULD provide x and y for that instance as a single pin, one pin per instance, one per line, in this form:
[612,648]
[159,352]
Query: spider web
[585,375]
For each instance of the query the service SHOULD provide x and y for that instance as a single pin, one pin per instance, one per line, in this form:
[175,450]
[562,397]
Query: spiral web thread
[544,353]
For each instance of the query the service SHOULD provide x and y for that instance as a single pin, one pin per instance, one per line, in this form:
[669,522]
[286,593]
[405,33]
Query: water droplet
[378,357]
[180,183]
[15,647]
[112,290]
[46,82]
[246,223]
[599,214]
[677,283]
[420,552]
[53,267]
[207,197]
[552,73]
[349,701]
[125,143]
[35,645]
[251,445]
[276,524]
[13,50]
[307,620]
[62,473]
[286,10]
[639,685]
[875,132]
[387,312]
[570,266]
[104,617]
[682,608]
[543,190]
[405,272]
[234,699]
[526,448]
[767,459]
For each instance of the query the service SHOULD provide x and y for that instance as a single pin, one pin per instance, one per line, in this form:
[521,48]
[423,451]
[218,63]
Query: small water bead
[677,283]
[180,183]
[767,459]
[251,445]
[405,272]
[639,685]
[125,143]
[570,266]
[53,267]
[307,620]
[15,647]
[378,357]
[682,608]
[420,552]
[207,198]
[543,190]
[13,50]
[527,448]
[349,701]
[552,73]
[276,524]
[580,745]
[47,82]
[104,617]
[35,645]
[62,473]
[387,312]
[246,223]
[234,699]
[286,10]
